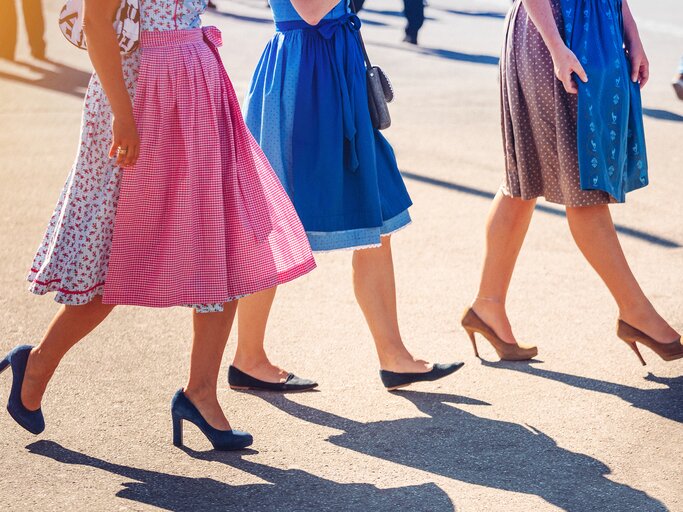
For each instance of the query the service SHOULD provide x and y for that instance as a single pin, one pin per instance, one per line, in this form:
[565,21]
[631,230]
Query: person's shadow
[53,75]
[665,402]
[457,444]
[290,489]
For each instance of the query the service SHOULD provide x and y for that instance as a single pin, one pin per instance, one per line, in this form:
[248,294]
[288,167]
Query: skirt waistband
[327,27]
[163,38]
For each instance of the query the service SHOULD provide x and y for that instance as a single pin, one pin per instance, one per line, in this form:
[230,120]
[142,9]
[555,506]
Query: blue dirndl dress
[610,134]
[307,108]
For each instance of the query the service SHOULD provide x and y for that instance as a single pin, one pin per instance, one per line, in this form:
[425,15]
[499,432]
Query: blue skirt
[610,133]
[307,108]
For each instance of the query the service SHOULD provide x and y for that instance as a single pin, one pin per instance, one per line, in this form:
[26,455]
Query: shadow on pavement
[665,402]
[664,115]
[395,14]
[442,53]
[241,17]
[491,453]
[269,20]
[558,212]
[63,78]
[481,14]
[291,489]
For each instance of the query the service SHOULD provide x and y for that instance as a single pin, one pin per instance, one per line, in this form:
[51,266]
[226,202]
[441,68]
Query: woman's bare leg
[594,233]
[69,326]
[375,288]
[211,332]
[251,356]
[506,228]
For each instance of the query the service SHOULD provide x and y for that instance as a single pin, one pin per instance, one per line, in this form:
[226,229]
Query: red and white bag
[126,23]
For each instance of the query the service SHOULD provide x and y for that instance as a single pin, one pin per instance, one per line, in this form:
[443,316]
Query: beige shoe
[506,351]
[631,335]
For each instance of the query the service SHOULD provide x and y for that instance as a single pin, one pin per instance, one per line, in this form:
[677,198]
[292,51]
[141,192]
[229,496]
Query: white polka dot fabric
[539,119]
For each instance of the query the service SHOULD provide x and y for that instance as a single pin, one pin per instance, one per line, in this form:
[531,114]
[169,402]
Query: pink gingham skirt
[202,217]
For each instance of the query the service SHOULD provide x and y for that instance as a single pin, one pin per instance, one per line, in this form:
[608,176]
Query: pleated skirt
[307,108]
[201,218]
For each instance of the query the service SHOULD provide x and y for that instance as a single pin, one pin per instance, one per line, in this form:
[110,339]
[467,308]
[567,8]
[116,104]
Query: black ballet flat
[239,380]
[393,380]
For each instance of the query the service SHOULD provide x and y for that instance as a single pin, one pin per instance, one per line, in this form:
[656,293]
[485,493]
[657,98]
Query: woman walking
[170,202]
[308,108]
[573,133]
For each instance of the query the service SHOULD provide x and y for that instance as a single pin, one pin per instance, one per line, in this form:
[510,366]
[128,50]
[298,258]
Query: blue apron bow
[344,74]
[328,28]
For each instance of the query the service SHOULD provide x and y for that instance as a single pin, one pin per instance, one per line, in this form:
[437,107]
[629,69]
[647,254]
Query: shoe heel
[177,431]
[474,342]
[635,348]
[4,364]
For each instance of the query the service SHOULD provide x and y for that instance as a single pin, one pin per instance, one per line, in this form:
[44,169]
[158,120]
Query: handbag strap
[368,64]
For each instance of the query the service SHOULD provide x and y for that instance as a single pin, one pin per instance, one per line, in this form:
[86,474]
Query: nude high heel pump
[632,336]
[506,351]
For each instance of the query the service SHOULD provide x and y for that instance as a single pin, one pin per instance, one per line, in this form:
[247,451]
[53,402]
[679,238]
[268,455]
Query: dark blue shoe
[17,359]
[222,440]
[239,380]
[393,380]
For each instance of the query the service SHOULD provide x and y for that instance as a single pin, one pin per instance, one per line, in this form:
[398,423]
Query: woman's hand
[566,64]
[640,65]
[125,141]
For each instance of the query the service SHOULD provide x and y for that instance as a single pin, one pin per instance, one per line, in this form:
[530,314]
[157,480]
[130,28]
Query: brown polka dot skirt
[538,119]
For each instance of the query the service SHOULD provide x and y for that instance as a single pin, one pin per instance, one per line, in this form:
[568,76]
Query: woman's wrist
[556,46]
[123,111]
[632,36]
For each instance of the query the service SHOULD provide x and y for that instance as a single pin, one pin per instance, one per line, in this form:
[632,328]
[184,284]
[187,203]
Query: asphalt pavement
[584,427]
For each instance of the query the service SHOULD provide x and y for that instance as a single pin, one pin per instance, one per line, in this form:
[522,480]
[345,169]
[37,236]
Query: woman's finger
[122,155]
[128,156]
[130,161]
[569,84]
[644,73]
[113,149]
[132,155]
[580,72]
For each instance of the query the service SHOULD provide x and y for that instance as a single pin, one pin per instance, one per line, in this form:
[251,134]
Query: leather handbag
[380,90]
[126,24]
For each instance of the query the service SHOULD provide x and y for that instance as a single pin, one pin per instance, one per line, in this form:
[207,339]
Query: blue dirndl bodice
[307,107]
[610,133]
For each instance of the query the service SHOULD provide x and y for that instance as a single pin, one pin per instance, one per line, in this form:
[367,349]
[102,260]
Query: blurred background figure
[414,11]
[678,81]
[35,27]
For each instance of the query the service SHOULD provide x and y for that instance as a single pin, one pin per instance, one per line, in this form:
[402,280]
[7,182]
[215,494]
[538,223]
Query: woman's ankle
[636,310]
[200,392]
[247,361]
[489,303]
[393,355]
[39,367]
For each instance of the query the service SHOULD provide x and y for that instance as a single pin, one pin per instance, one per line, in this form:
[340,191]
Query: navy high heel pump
[17,359]
[182,409]
[394,380]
